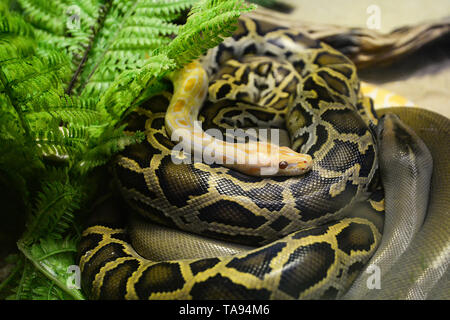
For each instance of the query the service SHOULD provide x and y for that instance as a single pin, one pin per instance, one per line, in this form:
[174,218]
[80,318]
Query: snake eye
[283,164]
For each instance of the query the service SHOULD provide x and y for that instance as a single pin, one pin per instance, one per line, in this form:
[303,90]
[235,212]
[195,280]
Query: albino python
[246,236]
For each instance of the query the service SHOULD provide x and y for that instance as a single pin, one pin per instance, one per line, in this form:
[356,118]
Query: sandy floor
[423,77]
[353,13]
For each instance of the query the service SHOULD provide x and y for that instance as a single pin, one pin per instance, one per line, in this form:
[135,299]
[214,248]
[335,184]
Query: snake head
[282,161]
[292,163]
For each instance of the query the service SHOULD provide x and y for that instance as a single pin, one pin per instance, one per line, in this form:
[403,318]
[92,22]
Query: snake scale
[293,237]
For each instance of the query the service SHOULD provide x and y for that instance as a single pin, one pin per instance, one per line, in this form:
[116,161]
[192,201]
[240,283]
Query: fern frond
[16,47]
[70,112]
[111,142]
[166,9]
[48,248]
[31,81]
[12,23]
[139,28]
[24,288]
[16,36]
[44,14]
[151,26]
[129,86]
[45,289]
[54,211]
[208,23]
[35,286]
[19,157]
[65,25]
[32,89]
[46,277]
[69,71]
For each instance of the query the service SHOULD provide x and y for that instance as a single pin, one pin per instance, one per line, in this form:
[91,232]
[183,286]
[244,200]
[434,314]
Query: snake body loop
[414,254]
[303,236]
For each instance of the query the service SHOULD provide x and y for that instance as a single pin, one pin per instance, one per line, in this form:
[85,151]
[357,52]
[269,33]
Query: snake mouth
[297,168]
[304,164]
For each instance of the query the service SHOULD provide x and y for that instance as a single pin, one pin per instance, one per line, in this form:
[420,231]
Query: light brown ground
[423,77]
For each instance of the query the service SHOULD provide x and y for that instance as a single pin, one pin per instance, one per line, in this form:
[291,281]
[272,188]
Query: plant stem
[45,256]
[76,294]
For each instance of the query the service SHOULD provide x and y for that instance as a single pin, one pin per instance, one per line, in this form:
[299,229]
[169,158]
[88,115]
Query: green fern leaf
[54,211]
[49,279]
[139,28]
[65,25]
[70,70]
[209,22]
[109,143]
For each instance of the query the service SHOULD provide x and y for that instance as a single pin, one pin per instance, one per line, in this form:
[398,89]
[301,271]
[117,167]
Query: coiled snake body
[303,236]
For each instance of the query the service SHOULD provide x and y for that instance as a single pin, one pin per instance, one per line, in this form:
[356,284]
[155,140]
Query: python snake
[252,158]
[414,255]
[304,236]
